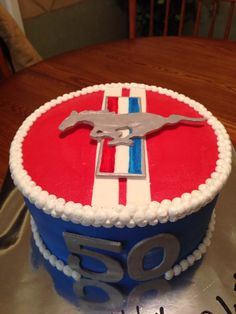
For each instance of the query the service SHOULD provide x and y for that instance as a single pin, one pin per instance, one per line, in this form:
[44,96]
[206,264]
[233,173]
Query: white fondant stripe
[122,151]
[138,189]
[106,190]
[176,270]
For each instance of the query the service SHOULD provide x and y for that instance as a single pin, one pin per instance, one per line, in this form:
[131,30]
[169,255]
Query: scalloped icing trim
[122,216]
[176,270]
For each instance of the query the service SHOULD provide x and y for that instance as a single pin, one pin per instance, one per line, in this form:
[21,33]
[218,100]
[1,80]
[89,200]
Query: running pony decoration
[127,129]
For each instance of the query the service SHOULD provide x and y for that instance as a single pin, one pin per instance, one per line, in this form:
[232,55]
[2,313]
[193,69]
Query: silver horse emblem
[110,125]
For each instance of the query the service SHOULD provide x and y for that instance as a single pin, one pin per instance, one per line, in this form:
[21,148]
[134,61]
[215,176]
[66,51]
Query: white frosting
[111,214]
[122,151]
[176,270]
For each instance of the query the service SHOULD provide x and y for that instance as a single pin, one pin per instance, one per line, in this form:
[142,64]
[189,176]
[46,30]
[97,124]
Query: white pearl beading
[52,259]
[176,270]
[197,254]
[129,215]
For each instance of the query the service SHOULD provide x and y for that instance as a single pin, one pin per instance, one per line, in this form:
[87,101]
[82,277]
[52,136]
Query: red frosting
[180,158]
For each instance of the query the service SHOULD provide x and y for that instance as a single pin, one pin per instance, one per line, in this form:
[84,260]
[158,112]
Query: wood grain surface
[204,70]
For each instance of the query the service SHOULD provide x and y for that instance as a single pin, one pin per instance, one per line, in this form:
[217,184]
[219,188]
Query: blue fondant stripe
[135,150]
[135,157]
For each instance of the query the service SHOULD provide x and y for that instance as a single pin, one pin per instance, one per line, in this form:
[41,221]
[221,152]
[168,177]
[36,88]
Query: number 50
[114,271]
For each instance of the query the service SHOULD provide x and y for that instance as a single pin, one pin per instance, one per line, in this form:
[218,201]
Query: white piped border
[52,259]
[176,270]
[197,254]
[129,215]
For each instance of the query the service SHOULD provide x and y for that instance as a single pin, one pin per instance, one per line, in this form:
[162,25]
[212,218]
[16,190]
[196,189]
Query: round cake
[121,181]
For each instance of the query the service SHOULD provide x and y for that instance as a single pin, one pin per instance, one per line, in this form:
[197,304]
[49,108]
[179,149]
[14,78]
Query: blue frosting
[189,231]
[134,104]
[135,150]
[135,156]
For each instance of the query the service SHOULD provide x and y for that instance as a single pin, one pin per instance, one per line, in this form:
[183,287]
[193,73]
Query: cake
[121,181]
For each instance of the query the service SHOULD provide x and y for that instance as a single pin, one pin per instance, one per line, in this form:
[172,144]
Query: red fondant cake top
[178,158]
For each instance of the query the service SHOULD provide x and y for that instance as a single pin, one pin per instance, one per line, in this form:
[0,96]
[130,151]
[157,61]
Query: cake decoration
[127,212]
[176,269]
[123,129]
[108,124]
[157,211]
[114,271]
[76,243]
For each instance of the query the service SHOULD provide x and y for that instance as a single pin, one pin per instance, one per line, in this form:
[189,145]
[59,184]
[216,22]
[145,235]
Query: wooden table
[204,70]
